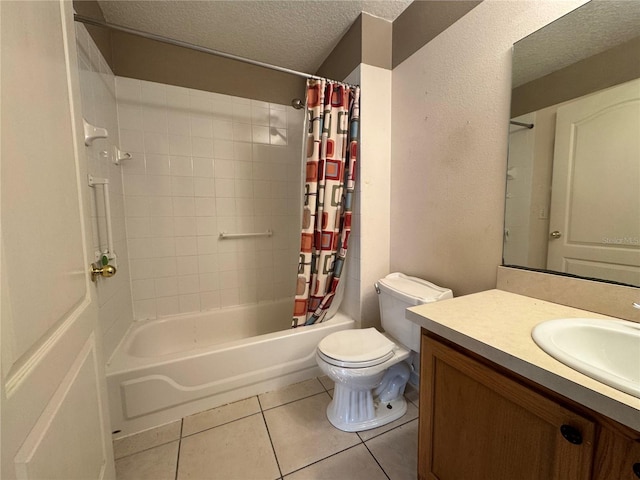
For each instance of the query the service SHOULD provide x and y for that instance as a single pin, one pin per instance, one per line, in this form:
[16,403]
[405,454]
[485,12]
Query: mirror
[573,174]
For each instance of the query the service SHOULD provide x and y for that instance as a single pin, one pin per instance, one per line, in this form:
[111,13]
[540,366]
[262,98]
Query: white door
[52,410]
[595,201]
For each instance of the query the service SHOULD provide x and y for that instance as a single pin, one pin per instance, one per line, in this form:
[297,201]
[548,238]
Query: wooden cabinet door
[476,424]
[617,457]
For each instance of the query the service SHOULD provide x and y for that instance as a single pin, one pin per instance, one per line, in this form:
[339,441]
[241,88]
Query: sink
[606,350]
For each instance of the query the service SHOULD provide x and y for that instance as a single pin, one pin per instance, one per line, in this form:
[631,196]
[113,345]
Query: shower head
[297,104]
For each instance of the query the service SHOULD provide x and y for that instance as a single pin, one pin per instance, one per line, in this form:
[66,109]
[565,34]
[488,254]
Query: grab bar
[226,236]
[93,181]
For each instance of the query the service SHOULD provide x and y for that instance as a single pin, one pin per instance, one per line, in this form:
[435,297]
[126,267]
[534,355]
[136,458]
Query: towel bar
[226,236]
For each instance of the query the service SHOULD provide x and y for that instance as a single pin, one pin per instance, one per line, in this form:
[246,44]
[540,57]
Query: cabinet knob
[571,434]
[636,469]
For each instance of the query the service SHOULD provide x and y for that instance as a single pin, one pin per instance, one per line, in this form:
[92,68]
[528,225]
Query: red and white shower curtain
[333,111]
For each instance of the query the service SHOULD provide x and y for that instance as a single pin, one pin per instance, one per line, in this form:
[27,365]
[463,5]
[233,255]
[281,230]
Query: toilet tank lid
[413,290]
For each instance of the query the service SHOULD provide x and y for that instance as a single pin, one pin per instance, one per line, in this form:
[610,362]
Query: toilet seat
[356,348]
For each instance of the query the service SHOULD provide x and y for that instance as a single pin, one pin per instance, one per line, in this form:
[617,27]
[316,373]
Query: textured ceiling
[296,34]
[582,33]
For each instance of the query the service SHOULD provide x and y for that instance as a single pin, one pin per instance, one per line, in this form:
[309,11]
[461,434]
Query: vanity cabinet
[479,423]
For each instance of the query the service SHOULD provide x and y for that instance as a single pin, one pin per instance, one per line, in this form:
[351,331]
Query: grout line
[327,457]
[293,401]
[376,460]
[148,448]
[273,449]
[390,430]
[219,425]
[179,448]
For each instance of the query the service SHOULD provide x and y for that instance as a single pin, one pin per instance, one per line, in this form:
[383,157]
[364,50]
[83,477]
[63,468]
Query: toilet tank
[397,292]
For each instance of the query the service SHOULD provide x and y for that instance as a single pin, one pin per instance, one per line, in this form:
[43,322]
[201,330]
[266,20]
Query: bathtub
[166,369]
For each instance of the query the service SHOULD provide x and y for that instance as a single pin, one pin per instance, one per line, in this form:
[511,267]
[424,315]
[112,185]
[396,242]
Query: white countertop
[497,325]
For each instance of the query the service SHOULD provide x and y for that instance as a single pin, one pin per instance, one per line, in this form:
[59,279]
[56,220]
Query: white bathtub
[166,369]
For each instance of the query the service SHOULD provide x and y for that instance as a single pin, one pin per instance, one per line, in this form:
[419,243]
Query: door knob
[555,234]
[105,271]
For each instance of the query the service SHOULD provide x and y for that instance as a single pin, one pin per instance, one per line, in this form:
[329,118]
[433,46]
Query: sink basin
[606,350]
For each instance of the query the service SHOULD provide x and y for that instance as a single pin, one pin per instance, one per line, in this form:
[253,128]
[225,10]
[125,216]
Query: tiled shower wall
[205,163]
[98,96]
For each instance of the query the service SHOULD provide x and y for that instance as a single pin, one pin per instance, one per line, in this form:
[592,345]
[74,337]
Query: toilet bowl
[371,369]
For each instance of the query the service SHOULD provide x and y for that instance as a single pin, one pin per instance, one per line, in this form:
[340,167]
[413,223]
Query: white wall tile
[223,149]
[207,245]
[209,300]
[165,268]
[260,134]
[154,119]
[161,206]
[163,247]
[205,207]
[189,303]
[179,123]
[182,186]
[167,306]
[159,185]
[202,147]
[181,166]
[202,126]
[156,143]
[198,172]
[188,284]
[203,167]
[186,246]
[143,289]
[180,145]
[225,187]
[204,187]
[184,227]
[184,206]
[157,164]
[222,130]
[242,132]
[187,265]
[206,226]
[166,287]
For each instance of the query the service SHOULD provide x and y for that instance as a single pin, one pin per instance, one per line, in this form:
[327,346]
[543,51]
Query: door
[54,417]
[595,200]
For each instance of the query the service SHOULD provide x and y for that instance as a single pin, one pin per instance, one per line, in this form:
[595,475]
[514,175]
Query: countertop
[497,325]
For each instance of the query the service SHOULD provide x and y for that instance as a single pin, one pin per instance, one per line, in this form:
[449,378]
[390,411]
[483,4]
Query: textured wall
[450,113]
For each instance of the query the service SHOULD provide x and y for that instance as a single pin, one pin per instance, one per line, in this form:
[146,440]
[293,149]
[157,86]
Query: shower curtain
[332,150]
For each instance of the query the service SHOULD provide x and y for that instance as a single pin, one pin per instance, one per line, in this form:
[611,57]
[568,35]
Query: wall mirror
[573,174]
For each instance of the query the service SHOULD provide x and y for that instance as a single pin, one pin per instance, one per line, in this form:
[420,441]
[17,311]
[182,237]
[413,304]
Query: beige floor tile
[290,394]
[218,416]
[397,451]
[412,413]
[301,433]
[238,450]
[158,463]
[147,439]
[353,464]
[326,382]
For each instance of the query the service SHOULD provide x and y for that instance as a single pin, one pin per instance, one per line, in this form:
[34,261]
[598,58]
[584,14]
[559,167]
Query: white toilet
[371,369]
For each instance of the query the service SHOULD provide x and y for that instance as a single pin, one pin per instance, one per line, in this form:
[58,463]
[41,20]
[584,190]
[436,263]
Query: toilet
[371,369]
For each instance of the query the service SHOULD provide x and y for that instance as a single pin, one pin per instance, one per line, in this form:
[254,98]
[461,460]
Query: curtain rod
[210,51]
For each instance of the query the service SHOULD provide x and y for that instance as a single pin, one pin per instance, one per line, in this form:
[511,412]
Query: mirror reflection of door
[594,228]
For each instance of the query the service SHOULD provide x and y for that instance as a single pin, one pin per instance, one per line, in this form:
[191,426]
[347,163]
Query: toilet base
[354,409]
[383,415]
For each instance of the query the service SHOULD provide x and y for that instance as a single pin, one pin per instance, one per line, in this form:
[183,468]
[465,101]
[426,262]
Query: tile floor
[278,435]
